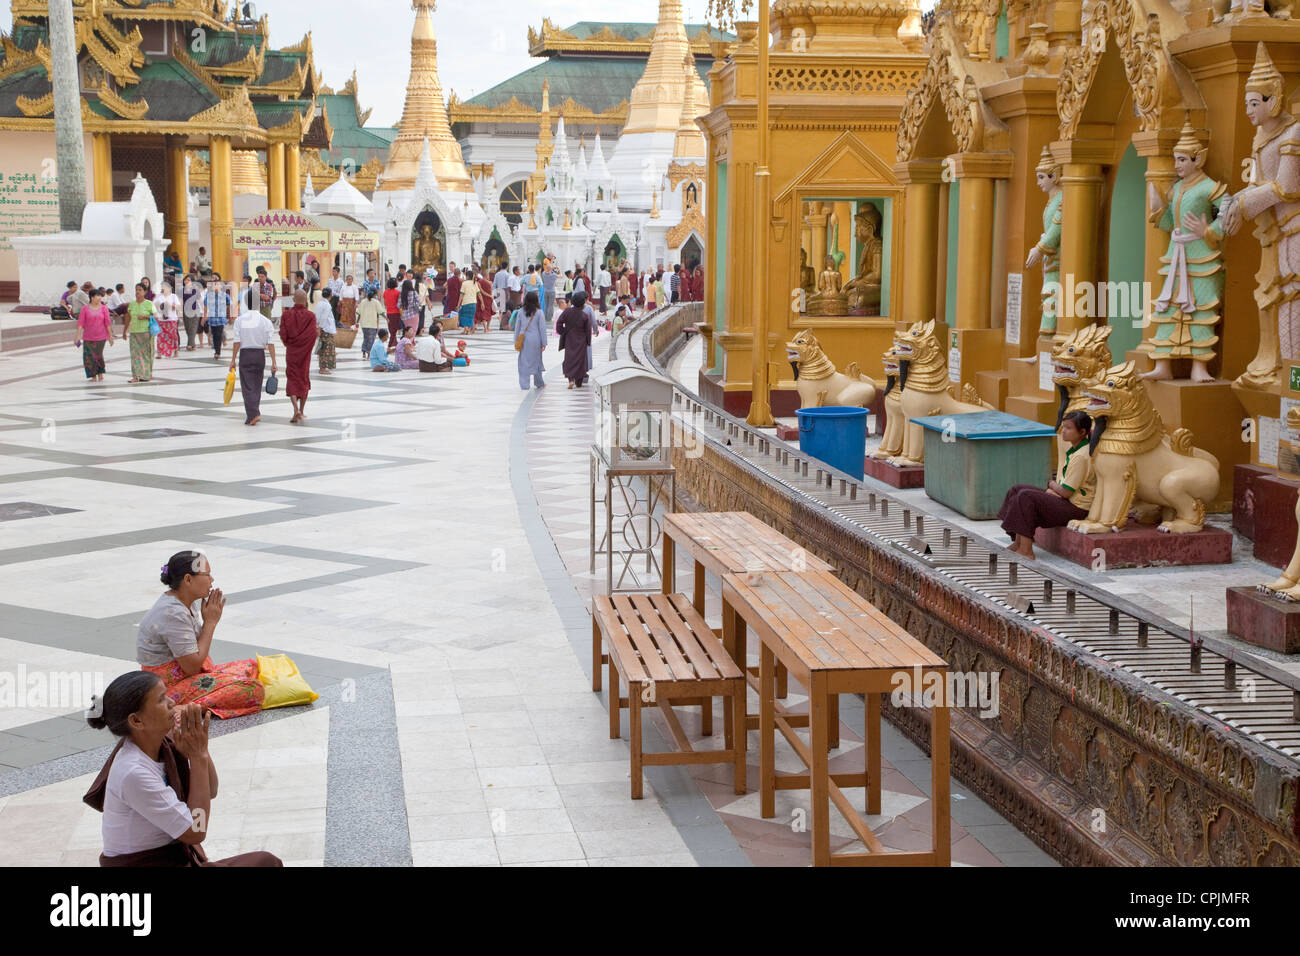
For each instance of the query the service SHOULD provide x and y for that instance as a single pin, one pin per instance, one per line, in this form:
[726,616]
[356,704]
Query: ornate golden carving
[1141,50]
[551,39]
[235,111]
[685,172]
[515,111]
[18,60]
[947,77]
[135,109]
[847,79]
[36,106]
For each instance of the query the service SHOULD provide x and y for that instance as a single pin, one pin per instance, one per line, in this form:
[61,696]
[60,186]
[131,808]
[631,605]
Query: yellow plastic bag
[285,687]
[230,386]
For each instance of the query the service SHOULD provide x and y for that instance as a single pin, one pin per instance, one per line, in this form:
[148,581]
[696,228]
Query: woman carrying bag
[530,340]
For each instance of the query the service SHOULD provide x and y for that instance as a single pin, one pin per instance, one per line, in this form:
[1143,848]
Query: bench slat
[654,665]
[663,638]
[704,667]
[705,637]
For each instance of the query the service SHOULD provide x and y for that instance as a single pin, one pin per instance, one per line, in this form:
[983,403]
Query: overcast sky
[480,42]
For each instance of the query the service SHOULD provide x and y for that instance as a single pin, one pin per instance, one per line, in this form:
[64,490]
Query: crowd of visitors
[401,318]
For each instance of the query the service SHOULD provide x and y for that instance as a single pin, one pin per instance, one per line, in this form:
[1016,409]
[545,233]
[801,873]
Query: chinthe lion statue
[817,380]
[924,377]
[891,443]
[1133,458]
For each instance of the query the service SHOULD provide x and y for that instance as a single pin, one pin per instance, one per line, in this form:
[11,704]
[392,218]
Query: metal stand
[633,510]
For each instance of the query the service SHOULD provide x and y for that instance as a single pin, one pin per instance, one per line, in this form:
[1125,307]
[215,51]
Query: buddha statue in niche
[863,290]
[829,299]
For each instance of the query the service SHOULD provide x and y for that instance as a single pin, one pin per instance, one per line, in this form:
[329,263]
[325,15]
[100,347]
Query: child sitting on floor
[1026,508]
[379,354]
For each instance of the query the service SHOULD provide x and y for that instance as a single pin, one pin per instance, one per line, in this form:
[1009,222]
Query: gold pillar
[1081,183]
[178,218]
[222,199]
[1160,173]
[974,252]
[760,408]
[292,187]
[818,220]
[921,180]
[275,177]
[101,155]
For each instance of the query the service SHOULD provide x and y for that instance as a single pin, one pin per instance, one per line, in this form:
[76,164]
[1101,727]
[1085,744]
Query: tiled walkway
[398,546]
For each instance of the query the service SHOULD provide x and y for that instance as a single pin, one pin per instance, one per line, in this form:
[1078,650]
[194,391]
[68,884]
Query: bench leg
[833,712]
[940,798]
[873,753]
[706,716]
[728,644]
[767,733]
[615,725]
[595,655]
[698,600]
[634,709]
[736,743]
[782,681]
[668,581]
[819,784]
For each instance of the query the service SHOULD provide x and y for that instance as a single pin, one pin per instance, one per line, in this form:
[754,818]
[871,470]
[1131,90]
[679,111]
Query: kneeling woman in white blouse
[156,789]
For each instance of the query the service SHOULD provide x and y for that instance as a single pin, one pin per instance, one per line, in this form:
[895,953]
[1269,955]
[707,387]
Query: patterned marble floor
[419,546]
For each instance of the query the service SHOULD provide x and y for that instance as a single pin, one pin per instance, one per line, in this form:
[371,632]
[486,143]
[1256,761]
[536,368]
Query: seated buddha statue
[807,275]
[863,290]
[426,251]
[829,299]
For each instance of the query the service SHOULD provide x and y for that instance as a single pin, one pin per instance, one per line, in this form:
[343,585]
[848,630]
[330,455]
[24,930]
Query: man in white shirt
[500,286]
[605,281]
[326,328]
[430,354]
[514,289]
[252,333]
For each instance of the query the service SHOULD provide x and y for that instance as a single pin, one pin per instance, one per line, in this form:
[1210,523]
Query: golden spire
[656,100]
[425,117]
[690,141]
[544,147]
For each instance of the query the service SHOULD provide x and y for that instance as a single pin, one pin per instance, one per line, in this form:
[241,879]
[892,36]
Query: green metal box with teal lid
[971,460]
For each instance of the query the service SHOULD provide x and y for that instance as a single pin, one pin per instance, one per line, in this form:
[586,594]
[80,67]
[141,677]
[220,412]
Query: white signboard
[1045,371]
[1015,282]
[1270,430]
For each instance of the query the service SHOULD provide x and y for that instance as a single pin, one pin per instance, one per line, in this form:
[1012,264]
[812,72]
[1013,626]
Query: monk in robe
[298,333]
[451,295]
[574,330]
[485,304]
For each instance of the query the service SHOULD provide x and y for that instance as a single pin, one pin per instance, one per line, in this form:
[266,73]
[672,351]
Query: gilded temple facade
[167,89]
[1024,143]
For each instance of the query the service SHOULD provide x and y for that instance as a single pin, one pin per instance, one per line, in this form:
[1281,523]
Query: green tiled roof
[348,133]
[273,113]
[33,83]
[596,82]
[27,35]
[173,93]
[223,48]
[278,66]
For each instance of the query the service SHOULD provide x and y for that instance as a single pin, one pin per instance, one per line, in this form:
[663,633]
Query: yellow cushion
[285,687]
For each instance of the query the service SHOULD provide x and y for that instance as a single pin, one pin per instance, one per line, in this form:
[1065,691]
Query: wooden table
[723,542]
[833,641]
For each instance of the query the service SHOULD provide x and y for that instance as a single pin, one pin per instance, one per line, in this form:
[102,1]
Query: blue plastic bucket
[836,435]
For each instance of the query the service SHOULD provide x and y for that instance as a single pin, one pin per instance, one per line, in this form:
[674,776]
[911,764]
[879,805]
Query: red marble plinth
[911,476]
[787,432]
[1273,496]
[1243,496]
[1138,546]
[1264,621]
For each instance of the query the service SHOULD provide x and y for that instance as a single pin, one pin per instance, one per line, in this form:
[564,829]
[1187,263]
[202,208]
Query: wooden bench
[665,652]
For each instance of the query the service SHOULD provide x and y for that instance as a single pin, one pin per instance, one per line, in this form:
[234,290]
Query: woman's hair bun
[165,577]
[95,713]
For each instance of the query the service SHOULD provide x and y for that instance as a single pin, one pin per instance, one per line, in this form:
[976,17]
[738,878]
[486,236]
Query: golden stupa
[657,97]
[425,117]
